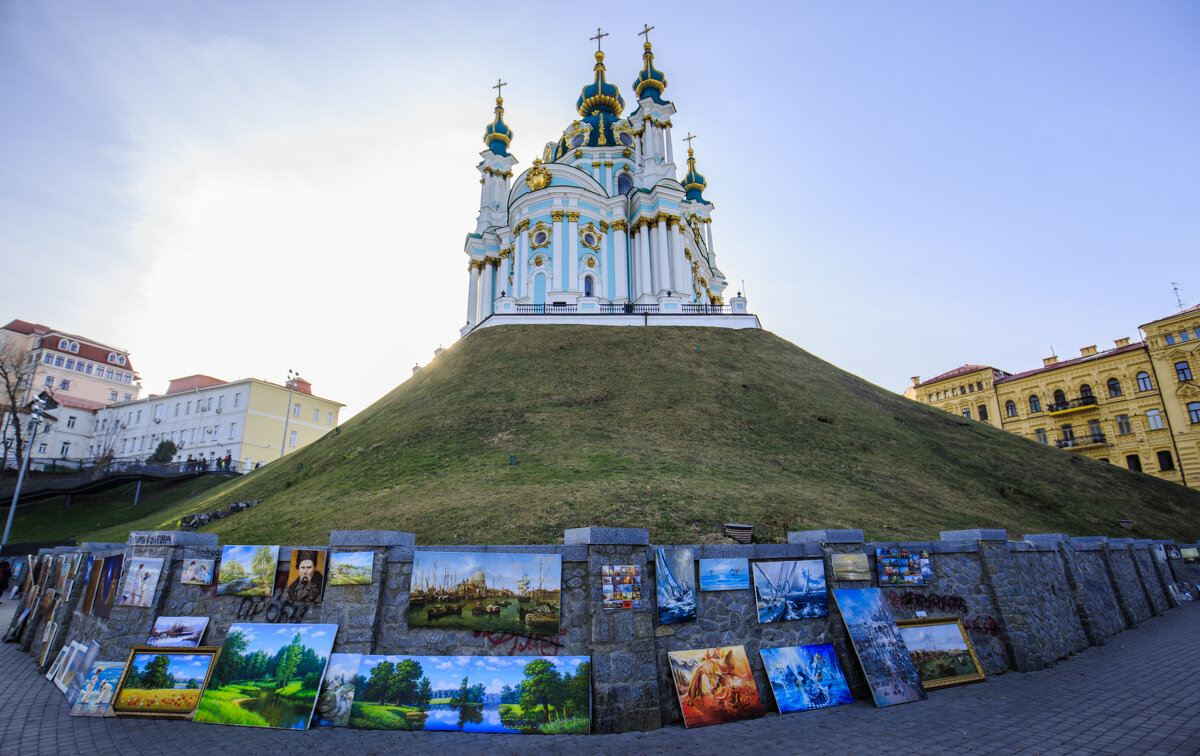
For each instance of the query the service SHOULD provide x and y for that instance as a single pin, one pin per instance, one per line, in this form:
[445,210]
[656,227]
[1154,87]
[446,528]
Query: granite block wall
[1094,595]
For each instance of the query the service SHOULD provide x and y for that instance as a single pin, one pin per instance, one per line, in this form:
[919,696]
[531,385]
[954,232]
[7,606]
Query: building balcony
[1072,405]
[1092,439]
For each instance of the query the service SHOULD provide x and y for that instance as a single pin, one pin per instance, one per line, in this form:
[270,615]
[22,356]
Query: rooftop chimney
[1087,351]
[1048,361]
[916,379]
[1122,342]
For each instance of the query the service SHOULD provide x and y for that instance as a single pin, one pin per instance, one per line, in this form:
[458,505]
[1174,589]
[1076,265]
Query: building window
[982,412]
[65,385]
[128,397]
[108,375]
[41,448]
[158,412]
[112,396]
[177,405]
[316,415]
[1114,387]
[1068,436]
[1170,339]
[65,449]
[1165,463]
[70,363]
[221,402]
[296,409]
[1133,462]
[1194,411]
[208,404]
[1040,433]
[188,410]
[329,418]
[1035,404]
[232,430]
[967,412]
[1183,336]
[70,421]
[1059,399]
[58,360]
[64,344]
[1154,418]
[1143,379]
[237,399]
[49,382]
[48,358]
[588,286]
[139,416]
[1123,426]
[292,438]
[1010,408]
[1094,431]
[1183,371]
[1085,391]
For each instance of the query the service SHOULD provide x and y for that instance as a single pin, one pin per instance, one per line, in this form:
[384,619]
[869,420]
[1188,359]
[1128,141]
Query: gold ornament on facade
[587,233]
[627,152]
[557,215]
[578,154]
[537,261]
[573,216]
[522,226]
[540,231]
[604,227]
[620,225]
[596,164]
[687,254]
[539,176]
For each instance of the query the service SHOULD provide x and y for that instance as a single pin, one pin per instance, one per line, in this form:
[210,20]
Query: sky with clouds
[446,672]
[240,189]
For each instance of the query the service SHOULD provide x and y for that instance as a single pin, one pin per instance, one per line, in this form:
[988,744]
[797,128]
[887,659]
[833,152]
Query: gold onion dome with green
[693,182]
[649,79]
[600,96]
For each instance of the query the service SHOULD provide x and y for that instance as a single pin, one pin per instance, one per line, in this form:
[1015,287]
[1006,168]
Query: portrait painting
[337,691]
[198,571]
[485,694]
[850,566]
[675,583]
[268,675]
[141,579]
[901,567]
[715,685]
[247,570]
[351,567]
[790,590]
[513,593]
[96,692]
[881,652]
[177,631]
[805,677]
[306,575]
[109,585]
[941,651]
[163,682]
[724,574]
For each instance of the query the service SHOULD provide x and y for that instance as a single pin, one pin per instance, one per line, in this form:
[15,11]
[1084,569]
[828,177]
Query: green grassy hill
[677,430]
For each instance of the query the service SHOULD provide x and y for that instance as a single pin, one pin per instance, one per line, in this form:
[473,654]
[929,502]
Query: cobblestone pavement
[1137,694]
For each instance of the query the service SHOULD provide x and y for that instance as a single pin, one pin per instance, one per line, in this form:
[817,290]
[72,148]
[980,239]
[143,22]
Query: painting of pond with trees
[511,593]
[247,570]
[267,675]
[499,694]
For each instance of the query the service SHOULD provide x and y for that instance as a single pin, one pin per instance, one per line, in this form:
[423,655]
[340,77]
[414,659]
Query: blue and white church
[600,228]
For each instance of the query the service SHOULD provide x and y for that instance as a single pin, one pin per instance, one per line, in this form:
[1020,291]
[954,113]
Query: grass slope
[677,430]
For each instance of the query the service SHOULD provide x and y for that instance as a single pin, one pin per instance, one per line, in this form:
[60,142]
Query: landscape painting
[198,572]
[140,581]
[885,660]
[267,675]
[900,567]
[495,694]
[177,631]
[790,590]
[724,574]
[163,682]
[675,574]
[351,567]
[805,677]
[941,651]
[99,684]
[850,567]
[513,593]
[715,685]
[337,691]
[247,570]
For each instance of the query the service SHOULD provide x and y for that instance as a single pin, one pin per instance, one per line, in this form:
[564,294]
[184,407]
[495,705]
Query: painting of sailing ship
[514,593]
[850,566]
[885,660]
[806,677]
[790,590]
[941,651]
[715,685]
[676,585]
[724,574]
[177,631]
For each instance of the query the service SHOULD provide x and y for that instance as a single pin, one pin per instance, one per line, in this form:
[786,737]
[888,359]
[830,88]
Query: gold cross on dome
[599,35]
[689,139]
[499,83]
[646,32]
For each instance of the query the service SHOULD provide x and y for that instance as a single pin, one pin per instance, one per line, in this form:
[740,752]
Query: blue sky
[903,187]
[183,666]
[502,570]
[270,638]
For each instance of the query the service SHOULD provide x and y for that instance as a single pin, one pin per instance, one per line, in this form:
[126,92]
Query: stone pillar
[557,275]
[357,608]
[520,263]
[624,668]
[712,252]
[677,262]
[644,285]
[472,293]
[572,252]
[662,270]
[490,292]
[620,260]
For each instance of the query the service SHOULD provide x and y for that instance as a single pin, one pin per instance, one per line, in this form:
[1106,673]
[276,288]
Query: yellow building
[1136,405]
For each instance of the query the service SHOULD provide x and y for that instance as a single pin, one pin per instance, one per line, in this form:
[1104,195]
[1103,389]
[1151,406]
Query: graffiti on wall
[520,645]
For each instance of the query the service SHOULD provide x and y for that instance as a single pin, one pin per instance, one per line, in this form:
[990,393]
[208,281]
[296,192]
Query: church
[599,228]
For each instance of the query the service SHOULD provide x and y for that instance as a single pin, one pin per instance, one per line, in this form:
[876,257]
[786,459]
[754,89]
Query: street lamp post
[287,411]
[37,408]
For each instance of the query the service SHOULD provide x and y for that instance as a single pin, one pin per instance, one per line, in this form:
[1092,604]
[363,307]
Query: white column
[644,284]
[572,246]
[522,254]
[708,231]
[662,271]
[473,294]
[620,264]
[479,293]
[674,255]
[557,245]
[670,147]
[489,292]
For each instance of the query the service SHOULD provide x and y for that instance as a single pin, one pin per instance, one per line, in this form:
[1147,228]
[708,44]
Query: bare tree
[16,379]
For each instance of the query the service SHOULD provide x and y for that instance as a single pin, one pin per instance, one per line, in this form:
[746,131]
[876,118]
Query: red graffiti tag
[983,625]
[926,602]
[539,645]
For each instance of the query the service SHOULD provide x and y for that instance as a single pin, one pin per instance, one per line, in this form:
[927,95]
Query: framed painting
[95,565]
[337,691]
[164,682]
[198,572]
[511,593]
[351,567]
[268,675]
[850,566]
[109,585]
[96,692]
[247,570]
[901,567]
[675,583]
[881,652]
[805,677]
[512,694]
[724,574]
[714,685]
[177,631]
[306,575]
[141,579]
[941,651]
[790,590]
[1172,551]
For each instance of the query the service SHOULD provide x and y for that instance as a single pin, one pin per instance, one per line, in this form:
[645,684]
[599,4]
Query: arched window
[1035,404]
[74,347]
[588,286]
[1143,379]
[1114,387]
[1059,398]
[624,183]
[1010,408]
[64,344]
[1085,390]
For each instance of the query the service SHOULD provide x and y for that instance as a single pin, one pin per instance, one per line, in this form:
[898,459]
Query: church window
[539,238]
[1035,404]
[1165,462]
[1154,418]
[1010,408]
[1085,390]
[577,140]
[588,286]
[1143,381]
[1133,462]
[1123,426]
[1114,387]
[624,182]
[625,139]
[1183,371]
[1194,411]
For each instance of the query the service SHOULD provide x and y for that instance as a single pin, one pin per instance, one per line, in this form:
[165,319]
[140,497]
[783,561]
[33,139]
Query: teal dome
[600,96]
[693,182]
[497,136]
[650,80]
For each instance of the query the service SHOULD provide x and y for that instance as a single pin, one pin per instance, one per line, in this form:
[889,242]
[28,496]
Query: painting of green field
[351,567]
[163,682]
[247,570]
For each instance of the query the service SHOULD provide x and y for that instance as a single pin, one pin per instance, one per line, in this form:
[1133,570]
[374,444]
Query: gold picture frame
[941,651]
[172,702]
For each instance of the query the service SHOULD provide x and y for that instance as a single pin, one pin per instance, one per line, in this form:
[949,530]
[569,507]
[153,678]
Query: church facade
[599,224]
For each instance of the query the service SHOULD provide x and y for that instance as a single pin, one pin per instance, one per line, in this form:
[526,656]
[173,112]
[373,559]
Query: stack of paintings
[514,593]
[881,651]
[675,572]
[724,574]
[163,682]
[790,590]
[715,685]
[941,651]
[805,677]
[899,567]
[247,570]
